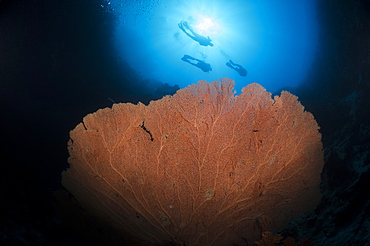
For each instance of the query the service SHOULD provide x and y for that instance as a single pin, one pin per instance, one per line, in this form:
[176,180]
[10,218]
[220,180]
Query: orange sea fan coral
[202,167]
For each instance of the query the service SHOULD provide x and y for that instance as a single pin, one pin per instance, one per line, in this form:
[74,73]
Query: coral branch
[202,167]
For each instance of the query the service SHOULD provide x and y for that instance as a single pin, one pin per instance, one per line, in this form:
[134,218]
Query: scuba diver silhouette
[202,40]
[205,67]
[240,69]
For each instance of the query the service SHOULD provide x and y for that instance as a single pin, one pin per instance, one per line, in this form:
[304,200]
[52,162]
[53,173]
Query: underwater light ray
[274,41]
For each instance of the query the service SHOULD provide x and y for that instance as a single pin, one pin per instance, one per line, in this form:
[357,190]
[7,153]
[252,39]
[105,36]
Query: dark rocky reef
[337,93]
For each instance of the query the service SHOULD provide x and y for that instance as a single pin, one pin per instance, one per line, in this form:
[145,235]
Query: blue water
[275,41]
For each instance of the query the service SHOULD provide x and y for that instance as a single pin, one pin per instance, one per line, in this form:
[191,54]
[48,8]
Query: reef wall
[337,93]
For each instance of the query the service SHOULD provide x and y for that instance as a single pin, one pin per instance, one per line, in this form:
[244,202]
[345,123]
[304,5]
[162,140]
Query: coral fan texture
[202,167]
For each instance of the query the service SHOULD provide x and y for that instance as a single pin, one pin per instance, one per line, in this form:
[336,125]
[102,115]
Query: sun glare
[206,26]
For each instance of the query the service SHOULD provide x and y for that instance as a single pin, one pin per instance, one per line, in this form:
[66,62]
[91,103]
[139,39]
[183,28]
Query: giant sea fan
[202,167]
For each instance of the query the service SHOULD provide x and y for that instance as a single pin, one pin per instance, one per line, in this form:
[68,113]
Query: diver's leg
[188,34]
[191,30]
